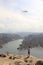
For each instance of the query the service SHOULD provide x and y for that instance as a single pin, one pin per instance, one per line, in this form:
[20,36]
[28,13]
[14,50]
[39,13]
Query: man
[29,50]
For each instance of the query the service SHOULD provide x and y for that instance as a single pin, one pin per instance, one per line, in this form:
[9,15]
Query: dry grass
[20,60]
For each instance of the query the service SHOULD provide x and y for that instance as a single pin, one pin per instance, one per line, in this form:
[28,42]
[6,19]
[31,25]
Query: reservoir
[12,46]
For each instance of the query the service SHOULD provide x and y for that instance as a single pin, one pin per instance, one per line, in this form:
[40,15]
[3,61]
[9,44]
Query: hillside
[33,40]
[5,37]
[13,59]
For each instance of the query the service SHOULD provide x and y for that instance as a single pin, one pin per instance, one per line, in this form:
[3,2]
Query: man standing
[29,50]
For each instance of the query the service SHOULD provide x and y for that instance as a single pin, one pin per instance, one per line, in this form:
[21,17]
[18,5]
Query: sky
[12,19]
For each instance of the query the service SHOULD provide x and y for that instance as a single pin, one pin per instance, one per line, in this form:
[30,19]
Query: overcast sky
[12,19]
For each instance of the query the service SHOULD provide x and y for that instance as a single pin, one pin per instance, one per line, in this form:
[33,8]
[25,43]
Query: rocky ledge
[12,59]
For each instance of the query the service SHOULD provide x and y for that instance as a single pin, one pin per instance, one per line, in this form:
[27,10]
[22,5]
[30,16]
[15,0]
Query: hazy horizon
[12,19]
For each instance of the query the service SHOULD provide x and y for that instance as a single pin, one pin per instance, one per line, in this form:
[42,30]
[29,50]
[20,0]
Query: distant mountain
[6,37]
[33,40]
[24,34]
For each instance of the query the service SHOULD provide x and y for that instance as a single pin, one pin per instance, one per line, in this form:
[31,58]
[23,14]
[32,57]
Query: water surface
[12,46]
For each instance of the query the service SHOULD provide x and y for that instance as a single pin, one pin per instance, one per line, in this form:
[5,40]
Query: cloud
[2,26]
[15,21]
[12,20]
